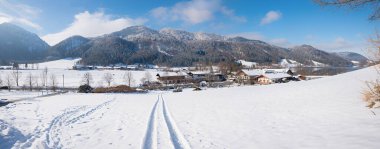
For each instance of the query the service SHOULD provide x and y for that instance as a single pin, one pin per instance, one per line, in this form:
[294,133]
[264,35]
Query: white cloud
[194,11]
[231,14]
[91,25]
[19,14]
[270,17]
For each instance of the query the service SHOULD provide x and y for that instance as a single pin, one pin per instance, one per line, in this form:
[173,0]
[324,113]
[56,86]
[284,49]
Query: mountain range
[170,47]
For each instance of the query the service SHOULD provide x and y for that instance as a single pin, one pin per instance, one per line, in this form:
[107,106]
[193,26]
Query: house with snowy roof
[199,76]
[279,77]
[245,76]
[172,77]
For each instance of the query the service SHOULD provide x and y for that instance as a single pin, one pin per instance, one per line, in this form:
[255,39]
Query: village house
[263,80]
[263,77]
[248,76]
[197,77]
[83,67]
[279,77]
[172,77]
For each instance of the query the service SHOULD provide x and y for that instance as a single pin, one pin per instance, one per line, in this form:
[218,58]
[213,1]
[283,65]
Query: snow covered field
[73,78]
[322,113]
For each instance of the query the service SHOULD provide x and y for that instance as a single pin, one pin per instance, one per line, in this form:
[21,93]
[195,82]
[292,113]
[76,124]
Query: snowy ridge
[184,35]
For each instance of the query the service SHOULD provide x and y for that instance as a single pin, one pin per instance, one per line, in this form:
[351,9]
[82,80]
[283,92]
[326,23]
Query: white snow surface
[73,78]
[323,113]
[67,63]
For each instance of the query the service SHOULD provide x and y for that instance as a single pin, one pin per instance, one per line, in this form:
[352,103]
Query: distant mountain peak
[20,44]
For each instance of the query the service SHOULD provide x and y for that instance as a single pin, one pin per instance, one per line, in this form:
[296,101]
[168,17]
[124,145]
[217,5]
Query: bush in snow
[85,89]
[116,89]
[372,94]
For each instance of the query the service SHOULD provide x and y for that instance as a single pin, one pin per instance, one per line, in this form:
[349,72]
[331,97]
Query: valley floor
[322,113]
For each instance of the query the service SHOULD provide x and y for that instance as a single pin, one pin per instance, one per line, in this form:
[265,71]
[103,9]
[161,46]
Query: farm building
[172,77]
[205,76]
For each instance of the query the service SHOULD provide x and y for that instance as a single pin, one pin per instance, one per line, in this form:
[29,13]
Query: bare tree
[1,81]
[29,80]
[147,78]
[8,80]
[87,78]
[128,78]
[143,80]
[375,4]
[16,76]
[53,82]
[44,77]
[108,78]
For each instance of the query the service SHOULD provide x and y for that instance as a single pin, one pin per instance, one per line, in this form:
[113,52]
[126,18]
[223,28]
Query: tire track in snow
[65,119]
[177,138]
[150,139]
[89,112]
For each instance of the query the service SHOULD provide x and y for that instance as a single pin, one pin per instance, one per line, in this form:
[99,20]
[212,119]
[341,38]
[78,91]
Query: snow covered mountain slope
[184,35]
[18,44]
[323,113]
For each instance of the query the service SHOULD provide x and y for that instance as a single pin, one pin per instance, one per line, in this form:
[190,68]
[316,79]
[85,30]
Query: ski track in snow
[52,133]
[151,138]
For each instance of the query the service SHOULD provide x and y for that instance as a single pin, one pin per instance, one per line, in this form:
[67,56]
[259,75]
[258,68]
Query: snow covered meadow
[321,113]
[62,69]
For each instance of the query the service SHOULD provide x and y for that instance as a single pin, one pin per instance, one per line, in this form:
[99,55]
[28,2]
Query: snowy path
[162,131]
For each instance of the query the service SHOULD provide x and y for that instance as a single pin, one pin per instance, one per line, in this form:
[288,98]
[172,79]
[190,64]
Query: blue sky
[283,23]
